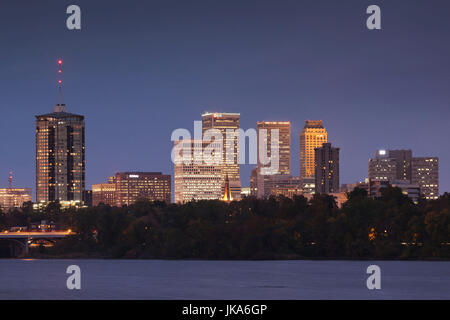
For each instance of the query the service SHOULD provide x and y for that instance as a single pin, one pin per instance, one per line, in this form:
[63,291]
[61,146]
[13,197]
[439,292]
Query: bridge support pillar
[27,247]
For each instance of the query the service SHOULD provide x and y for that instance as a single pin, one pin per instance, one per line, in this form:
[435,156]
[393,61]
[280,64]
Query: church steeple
[227,193]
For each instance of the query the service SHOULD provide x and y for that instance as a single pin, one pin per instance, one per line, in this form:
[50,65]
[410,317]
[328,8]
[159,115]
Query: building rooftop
[219,114]
[60,113]
[314,124]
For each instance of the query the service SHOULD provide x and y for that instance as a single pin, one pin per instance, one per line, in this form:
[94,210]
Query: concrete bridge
[25,239]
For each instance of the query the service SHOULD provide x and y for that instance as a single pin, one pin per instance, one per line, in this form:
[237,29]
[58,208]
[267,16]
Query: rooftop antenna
[60,106]
[10,179]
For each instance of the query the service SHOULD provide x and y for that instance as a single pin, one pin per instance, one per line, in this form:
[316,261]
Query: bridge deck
[34,235]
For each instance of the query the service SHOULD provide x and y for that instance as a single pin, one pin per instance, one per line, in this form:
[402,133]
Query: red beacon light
[59,61]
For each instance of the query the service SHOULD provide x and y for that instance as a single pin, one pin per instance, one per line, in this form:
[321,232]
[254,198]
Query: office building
[425,173]
[287,187]
[403,159]
[282,154]
[400,165]
[60,157]
[408,189]
[382,167]
[104,193]
[198,179]
[228,125]
[312,136]
[88,198]
[279,156]
[390,165]
[11,198]
[133,186]
[326,161]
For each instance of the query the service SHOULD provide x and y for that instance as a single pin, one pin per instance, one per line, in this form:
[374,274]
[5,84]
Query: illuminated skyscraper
[196,180]
[284,144]
[60,156]
[312,136]
[282,154]
[227,122]
[425,173]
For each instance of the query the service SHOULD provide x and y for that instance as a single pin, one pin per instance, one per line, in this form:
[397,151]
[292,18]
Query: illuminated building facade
[133,186]
[403,163]
[327,169]
[230,168]
[104,193]
[11,198]
[245,192]
[60,156]
[312,136]
[283,152]
[425,173]
[197,180]
[280,154]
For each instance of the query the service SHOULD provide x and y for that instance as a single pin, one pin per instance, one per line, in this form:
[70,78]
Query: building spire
[227,193]
[10,178]
[60,106]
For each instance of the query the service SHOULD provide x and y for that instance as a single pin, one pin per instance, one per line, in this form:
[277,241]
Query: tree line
[388,227]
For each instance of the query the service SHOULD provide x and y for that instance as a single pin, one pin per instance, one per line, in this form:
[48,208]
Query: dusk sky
[137,70]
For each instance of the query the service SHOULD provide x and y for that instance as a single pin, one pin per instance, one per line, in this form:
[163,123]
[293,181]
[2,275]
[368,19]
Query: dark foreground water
[158,279]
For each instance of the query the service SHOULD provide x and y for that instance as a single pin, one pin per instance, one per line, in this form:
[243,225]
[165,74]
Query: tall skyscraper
[326,169]
[196,180]
[227,122]
[425,173]
[280,154]
[312,136]
[60,156]
[284,144]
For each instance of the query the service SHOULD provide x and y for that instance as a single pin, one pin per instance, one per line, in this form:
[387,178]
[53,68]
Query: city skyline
[398,102]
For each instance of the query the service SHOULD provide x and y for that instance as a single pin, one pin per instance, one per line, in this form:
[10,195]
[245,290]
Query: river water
[179,279]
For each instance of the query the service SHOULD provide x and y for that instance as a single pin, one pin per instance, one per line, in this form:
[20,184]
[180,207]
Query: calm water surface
[160,279]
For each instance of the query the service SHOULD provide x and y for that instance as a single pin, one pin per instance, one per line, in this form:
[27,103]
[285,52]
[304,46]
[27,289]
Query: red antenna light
[60,72]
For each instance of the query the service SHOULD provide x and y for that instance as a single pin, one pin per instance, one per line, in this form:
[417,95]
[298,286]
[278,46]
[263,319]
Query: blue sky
[138,70]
